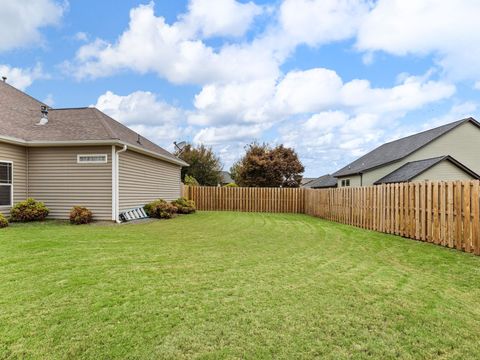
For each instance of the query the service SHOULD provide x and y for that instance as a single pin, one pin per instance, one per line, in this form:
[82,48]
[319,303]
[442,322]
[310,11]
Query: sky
[331,78]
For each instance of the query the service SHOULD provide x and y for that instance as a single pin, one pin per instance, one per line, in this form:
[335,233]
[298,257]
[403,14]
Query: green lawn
[233,285]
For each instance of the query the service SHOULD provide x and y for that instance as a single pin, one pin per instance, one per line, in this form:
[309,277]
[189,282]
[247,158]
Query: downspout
[116,181]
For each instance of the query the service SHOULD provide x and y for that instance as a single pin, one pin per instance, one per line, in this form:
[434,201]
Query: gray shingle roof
[325,181]
[305,181]
[225,177]
[412,169]
[19,114]
[398,149]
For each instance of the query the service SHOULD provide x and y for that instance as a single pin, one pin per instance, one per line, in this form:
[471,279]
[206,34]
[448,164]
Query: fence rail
[443,213]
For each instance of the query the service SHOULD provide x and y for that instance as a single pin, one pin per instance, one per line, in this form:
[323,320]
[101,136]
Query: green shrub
[160,209]
[190,181]
[3,221]
[231,185]
[80,215]
[29,210]
[184,205]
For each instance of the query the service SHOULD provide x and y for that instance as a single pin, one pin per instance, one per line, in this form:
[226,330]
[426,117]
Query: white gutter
[115,186]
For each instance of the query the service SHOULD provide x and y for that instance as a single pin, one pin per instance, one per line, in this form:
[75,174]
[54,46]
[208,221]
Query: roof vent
[139,139]
[4,78]
[44,118]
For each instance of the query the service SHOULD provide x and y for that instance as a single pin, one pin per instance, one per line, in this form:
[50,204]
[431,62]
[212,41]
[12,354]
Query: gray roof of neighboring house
[19,114]
[305,181]
[398,149]
[226,178]
[413,169]
[325,181]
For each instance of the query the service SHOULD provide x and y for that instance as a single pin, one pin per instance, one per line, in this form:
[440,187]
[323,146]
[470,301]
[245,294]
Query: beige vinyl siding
[444,171]
[355,180]
[143,179]
[462,143]
[18,156]
[56,179]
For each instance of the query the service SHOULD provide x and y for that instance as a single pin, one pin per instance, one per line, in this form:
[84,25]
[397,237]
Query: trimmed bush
[231,185]
[184,205]
[80,215]
[29,210]
[3,221]
[160,209]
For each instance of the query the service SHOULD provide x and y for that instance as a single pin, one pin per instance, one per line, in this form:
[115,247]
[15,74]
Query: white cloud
[139,107]
[81,36]
[233,103]
[21,78]
[448,29]
[172,51]
[145,113]
[307,92]
[229,133]
[219,17]
[328,139]
[22,21]
[320,21]
[319,89]
[413,93]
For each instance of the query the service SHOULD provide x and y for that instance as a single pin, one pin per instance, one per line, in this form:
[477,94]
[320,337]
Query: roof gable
[413,169]
[399,149]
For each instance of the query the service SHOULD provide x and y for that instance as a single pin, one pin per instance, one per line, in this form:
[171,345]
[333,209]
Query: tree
[286,162]
[205,166]
[262,166]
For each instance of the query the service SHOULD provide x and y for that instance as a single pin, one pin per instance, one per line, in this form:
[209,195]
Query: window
[345,182]
[6,184]
[92,159]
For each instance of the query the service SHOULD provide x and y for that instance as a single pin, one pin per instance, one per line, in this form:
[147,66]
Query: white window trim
[11,185]
[92,162]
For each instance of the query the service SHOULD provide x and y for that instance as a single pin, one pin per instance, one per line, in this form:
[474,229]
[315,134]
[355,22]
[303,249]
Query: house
[79,156]
[225,178]
[323,182]
[448,152]
[305,181]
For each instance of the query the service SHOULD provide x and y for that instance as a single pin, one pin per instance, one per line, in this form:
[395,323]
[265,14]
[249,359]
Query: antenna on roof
[4,78]
[138,139]
[180,146]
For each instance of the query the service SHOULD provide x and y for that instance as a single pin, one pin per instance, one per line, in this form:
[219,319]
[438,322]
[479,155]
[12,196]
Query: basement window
[6,184]
[92,159]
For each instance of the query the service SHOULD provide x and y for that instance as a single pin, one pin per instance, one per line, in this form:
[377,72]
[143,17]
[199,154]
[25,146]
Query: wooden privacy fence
[443,213]
[274,200]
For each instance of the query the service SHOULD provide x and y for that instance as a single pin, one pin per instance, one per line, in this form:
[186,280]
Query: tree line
[262,165]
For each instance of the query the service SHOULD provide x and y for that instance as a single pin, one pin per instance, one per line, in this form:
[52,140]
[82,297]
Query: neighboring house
[225,178]
[305,181]
[67,157]
[448,152]
[323,182]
